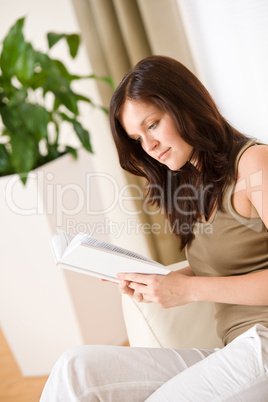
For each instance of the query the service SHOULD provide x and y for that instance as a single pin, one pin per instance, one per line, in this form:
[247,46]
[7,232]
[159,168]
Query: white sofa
[188,326]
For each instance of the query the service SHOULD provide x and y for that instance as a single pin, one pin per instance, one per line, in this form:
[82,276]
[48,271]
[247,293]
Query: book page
[86,254]
[106,264]
[60,243]
[91,241]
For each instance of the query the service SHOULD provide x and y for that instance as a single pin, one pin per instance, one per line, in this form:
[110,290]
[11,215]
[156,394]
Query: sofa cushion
[187,326]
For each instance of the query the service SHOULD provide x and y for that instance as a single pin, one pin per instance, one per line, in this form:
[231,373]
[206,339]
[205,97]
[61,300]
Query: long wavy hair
[192,192]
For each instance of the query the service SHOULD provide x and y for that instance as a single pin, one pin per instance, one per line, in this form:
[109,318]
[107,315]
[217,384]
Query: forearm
[248,289]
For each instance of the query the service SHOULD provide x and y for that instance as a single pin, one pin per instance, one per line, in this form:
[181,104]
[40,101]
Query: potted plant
[30,136]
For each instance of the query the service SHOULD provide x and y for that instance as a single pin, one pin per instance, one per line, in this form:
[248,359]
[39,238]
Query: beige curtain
[117,34]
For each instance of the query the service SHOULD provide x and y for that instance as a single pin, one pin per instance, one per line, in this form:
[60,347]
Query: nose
[149,143]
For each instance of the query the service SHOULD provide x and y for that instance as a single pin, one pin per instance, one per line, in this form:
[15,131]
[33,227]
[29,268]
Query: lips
[163,155]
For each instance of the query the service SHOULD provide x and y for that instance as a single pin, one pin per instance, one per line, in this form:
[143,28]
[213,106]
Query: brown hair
[167,84]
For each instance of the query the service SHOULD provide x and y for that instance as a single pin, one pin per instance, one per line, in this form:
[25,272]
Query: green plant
[30,136]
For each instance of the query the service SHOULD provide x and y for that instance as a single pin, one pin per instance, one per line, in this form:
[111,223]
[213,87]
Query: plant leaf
[53,38]
[5,167]
[66,97]
[62,70]
[17,97]
[60,87]
[53,152]
[84,99]
[35,119]
[6,89]
[65,117]
[72,151]
[83,135]
[24,153]
[38,80]
[73,41]
[11,119]
[47,64]
[13,46]
[24,68]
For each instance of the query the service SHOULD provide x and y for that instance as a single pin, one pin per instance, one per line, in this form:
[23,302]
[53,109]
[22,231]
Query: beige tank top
[230,244]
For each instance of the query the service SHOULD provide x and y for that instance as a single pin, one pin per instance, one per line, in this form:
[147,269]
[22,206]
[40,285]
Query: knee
[72,354]
[75,358]
[63,382]
[84,359]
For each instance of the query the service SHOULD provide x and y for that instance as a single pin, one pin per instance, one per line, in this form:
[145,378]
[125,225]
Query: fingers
[138,297]
[138,278]
[126,288]
[140,287]
[106,280]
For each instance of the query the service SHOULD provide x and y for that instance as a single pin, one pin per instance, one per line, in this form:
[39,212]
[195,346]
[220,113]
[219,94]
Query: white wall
[229,41]
[42,16]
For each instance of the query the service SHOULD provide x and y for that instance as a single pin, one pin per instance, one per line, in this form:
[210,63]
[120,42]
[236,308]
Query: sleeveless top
[230,244]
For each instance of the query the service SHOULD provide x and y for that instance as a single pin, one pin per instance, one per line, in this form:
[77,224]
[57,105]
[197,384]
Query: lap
[109,373]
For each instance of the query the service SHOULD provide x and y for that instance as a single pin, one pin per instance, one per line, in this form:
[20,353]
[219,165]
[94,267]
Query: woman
[205,175]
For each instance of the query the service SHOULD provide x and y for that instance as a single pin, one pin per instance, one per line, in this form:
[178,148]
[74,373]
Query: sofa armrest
[187,326]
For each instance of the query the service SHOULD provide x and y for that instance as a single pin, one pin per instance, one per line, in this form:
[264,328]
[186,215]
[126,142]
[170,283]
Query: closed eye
[153,126]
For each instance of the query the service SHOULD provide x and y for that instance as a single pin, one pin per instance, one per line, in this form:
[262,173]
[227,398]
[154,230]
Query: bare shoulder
[253,160]
[252,183]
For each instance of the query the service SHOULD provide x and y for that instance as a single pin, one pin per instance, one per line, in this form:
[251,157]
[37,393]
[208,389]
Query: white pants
[238,372]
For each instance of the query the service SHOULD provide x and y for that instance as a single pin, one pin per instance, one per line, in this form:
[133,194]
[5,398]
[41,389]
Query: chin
[174,166]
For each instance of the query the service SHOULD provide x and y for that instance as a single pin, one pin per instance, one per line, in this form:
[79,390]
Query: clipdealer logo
[102,194]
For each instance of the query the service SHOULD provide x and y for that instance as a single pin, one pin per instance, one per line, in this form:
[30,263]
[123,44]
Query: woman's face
[157,133]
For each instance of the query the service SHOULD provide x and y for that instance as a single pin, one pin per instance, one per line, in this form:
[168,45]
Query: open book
[91,256]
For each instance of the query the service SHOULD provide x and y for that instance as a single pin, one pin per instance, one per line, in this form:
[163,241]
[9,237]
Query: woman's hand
[173,289]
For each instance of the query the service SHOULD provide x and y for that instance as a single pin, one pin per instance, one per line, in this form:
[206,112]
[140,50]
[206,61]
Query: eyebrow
[142,123]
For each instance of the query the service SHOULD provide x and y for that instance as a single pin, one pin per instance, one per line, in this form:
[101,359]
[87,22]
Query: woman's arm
[247,289]
[180,287]
[250,289]
[253,174]
[160,289]
[176,289]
